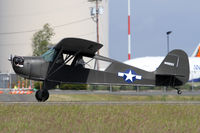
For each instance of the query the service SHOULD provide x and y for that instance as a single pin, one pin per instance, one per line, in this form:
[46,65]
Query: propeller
[10,58]
[18,61]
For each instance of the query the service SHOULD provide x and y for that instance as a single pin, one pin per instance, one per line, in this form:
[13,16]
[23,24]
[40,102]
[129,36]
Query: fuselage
[152,63]
[34,68]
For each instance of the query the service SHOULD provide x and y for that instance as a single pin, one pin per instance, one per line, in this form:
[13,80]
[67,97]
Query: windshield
[49,55]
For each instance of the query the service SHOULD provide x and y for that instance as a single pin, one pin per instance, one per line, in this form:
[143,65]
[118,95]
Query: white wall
[20,19]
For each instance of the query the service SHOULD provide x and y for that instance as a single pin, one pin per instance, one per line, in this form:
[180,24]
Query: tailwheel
[42,95]
[179,92]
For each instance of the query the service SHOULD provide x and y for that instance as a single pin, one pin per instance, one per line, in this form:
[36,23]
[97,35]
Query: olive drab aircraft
[68,61]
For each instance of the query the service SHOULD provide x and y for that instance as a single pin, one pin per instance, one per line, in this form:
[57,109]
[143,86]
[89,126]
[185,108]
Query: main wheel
[38,96]
[42,95]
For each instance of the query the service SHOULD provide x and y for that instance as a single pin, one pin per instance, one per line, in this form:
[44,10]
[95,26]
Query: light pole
[168,33]
[97,28]
[95,12]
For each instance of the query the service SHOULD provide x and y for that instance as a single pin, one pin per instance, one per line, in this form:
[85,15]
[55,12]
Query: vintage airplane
[64,63]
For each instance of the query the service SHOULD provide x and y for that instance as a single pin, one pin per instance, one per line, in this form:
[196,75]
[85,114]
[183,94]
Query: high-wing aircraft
[66,63]
[151,63]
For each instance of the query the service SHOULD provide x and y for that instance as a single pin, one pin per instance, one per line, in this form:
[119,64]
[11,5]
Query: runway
[106,103]
[17,98]
[135,93]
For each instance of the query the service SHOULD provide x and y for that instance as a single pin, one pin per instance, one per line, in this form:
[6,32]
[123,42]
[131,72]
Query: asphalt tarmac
[18,98]
[142,93]
[105,102]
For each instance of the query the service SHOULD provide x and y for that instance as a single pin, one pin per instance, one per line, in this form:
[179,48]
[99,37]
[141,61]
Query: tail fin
[174,70]
[196,52]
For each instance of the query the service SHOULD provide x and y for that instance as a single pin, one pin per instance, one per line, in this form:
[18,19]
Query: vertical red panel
[129,25]
[129,56]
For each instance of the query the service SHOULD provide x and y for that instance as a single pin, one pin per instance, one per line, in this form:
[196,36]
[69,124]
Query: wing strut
[54,61]
[67,59]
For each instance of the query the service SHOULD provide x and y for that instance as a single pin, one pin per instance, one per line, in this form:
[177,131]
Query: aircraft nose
[21,66]
[18,61]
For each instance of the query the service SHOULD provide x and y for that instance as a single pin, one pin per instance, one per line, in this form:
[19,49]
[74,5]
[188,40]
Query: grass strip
[99,118]
[111,97]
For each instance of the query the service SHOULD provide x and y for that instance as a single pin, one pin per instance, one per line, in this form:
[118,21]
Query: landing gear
[179,92]
[42,95]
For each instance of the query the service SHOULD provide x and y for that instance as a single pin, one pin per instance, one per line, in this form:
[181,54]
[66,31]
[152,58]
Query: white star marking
[129,76]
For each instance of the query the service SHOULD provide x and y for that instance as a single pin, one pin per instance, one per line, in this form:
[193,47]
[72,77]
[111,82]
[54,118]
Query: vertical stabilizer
[174,70]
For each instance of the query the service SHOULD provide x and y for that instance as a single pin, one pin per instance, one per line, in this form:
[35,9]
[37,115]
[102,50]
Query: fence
[8,80]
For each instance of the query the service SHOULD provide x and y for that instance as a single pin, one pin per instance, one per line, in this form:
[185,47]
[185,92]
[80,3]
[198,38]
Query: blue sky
[150,20]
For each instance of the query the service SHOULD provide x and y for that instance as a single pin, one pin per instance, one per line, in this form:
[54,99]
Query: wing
[74,45]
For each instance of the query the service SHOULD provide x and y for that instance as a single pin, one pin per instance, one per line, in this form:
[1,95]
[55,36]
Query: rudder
[174,69]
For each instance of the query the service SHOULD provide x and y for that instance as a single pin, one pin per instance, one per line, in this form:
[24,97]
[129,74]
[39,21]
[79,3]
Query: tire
[42,95]
[45,95]
[38,95]
[179,92]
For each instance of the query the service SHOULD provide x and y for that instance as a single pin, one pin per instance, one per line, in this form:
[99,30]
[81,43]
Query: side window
[82,62]
[68,59]
[95,64]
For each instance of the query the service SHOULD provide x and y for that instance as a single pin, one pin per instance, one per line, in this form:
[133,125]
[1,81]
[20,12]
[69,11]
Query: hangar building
[20,19]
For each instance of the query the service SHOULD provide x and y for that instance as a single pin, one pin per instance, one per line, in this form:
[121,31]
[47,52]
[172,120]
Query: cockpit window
[49,55]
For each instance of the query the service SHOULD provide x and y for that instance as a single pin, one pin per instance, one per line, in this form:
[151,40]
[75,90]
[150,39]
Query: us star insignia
[129,76]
